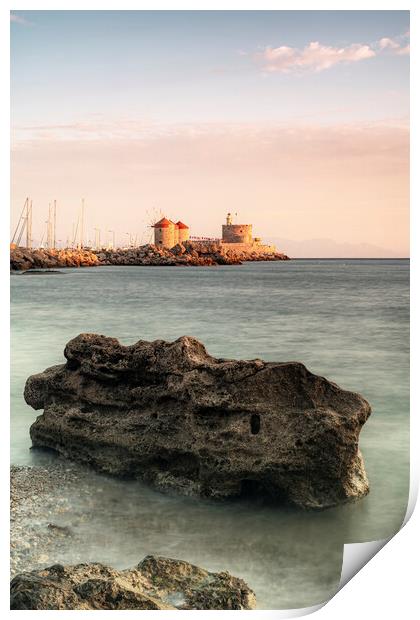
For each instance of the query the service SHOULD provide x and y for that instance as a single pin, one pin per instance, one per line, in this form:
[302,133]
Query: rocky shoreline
[23,259]
[189,254]
[39,504]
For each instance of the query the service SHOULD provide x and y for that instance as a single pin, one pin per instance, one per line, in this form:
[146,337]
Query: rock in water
[155,583]
[176,417]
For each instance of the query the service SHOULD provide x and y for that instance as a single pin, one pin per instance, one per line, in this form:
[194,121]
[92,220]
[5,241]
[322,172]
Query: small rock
[155,583]
[64,530]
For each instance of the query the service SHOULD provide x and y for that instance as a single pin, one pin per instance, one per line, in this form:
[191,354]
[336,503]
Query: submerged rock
[176,417]
[155,583]
[38,272]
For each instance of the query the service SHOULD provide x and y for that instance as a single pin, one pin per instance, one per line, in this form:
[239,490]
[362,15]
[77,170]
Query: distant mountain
[328,248]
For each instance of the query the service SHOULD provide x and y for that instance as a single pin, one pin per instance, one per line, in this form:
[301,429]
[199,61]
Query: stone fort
[234,236]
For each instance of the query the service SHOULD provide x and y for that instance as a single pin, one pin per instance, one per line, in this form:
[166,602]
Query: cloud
[254,143]
[346,182]
[398,45]
[386,42]
[316,57]
[101,129]
[313,57]
[18,19]
[402,51]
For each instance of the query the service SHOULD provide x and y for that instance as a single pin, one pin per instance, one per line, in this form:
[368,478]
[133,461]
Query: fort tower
[236,233]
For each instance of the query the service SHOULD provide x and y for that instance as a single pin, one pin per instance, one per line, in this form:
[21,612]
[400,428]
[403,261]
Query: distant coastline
[351,258]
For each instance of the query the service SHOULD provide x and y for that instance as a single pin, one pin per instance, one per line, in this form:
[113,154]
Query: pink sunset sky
[297,122]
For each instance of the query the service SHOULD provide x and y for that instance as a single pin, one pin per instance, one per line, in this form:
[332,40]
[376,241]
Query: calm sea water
[345,319]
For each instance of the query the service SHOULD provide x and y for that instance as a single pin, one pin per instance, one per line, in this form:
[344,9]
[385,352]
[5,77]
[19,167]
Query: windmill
[152,216]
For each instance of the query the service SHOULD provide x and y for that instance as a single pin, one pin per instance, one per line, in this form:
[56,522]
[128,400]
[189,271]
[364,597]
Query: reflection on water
[347,320]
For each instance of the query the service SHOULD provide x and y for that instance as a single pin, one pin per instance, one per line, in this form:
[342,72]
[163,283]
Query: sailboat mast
[29,224]
[49,227]
[20,220]
[82,223]
[55,222]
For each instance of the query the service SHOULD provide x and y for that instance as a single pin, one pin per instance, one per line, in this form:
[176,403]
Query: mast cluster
[50,231]
[78,239]
[24,224]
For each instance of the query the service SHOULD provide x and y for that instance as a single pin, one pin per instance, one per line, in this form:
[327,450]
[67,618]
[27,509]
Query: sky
[298,122]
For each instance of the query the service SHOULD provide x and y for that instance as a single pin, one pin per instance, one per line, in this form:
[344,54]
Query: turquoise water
[345,319]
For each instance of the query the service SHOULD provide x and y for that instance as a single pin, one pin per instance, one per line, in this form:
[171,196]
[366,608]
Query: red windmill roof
[163,223]
[181,225]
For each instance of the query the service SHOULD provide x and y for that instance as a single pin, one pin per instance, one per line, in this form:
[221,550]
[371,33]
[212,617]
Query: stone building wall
[169,233]
[237,233]
[176,234]
[184,234]
[165,236]
[256,248]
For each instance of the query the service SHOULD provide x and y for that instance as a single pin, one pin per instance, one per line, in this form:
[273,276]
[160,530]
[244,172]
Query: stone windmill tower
[169,233]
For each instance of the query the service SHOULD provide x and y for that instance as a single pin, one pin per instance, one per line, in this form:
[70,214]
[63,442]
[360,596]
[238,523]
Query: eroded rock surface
[22,259]
[155,583]
[188,254]
[176,417]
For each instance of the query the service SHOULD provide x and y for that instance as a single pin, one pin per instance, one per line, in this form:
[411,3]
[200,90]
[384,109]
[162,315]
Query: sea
[347,320]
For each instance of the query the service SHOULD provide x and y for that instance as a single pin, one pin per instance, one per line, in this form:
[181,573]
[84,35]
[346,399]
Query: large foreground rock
[155,583]
[174,416]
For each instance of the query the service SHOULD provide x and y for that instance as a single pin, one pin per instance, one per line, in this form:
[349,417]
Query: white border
[387,585]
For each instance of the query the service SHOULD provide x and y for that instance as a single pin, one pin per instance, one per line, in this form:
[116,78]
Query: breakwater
[189,253]
[22,259]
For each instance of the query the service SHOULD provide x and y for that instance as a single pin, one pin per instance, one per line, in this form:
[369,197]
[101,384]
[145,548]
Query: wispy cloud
[313,57]
[126,131]
[19,19]
[335,181]
[316,57]
[387,43]
[403,50]
[99,129]
[398,46]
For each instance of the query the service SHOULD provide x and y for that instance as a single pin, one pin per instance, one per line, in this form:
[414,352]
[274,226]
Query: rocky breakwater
[188,253]
[155,583]
[176,417]
[225,254]
[22,259]
[149,255]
